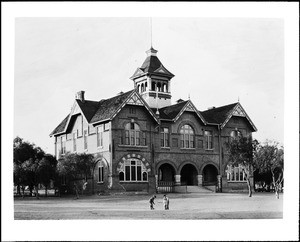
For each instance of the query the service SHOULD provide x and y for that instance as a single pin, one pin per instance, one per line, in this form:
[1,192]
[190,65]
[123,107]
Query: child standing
[151,201]
[166,202]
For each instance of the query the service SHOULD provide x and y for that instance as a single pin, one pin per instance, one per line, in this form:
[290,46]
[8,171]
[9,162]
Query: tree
[31,165]
[269,158]
[75,166]
[241,151]
[46,170]
[23,151]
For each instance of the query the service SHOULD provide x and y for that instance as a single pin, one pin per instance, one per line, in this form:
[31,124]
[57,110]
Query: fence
[165,186]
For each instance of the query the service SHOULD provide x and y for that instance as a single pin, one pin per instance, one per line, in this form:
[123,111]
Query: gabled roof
[218,115]
[222,115]
[109,106]
[88,108]
[61,127]
[105,109]
[170,112]
[173,112]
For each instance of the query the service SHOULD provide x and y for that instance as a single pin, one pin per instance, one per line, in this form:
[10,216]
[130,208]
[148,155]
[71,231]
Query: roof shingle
[218,115]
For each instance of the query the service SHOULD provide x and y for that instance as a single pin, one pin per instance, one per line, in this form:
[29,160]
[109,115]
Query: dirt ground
[182,206]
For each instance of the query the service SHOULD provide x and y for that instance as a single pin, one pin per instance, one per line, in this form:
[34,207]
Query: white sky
[215,61]
[217,51]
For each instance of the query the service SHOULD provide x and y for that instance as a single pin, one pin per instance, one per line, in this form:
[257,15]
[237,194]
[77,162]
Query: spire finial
[238,98]
[189,97]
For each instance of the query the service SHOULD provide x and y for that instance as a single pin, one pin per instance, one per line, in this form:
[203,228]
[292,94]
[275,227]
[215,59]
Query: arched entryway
[188,175]
[210,175]
[166,172]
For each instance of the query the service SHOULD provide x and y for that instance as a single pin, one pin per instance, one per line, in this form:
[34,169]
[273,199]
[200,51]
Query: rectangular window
[132,139]
[63,145]
[139,173]
[85,139]
[235,173]
[187,141]
[132,110]
[127,173]
[74,141]
[133,173]
[208,140]
[138,138]
[101,174]
[100,136]
[164,138]
[182,140]
[144,139]
[127,137]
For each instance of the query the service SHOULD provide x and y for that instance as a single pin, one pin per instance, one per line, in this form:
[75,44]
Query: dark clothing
[151,201]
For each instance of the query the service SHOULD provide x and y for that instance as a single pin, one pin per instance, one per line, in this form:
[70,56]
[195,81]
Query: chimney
[211,108]
[80,96]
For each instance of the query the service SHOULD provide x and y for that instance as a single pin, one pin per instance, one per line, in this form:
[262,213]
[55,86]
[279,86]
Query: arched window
[134,136]
[159,87]
[187,137]
[153,86]
[133,170]
[142,87]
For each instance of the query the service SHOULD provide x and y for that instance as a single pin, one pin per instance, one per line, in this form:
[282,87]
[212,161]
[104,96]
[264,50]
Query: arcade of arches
[188,175]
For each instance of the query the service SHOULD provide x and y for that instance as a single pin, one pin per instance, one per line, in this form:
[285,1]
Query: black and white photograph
[150,121]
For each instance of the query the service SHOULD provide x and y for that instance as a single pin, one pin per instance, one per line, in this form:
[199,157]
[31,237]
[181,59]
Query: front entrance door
[189,175]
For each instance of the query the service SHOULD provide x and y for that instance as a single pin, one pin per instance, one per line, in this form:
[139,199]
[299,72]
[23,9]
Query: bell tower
[152,81]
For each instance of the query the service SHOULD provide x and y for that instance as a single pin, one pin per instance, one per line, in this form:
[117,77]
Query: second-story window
[85,139]
[187,137]
[164,137]
[133,135]
[63,145]
[74,141]
[208,140]
[100,136]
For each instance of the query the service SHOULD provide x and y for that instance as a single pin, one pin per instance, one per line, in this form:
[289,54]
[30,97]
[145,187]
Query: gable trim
[238,111]
[189,106]
[139,102]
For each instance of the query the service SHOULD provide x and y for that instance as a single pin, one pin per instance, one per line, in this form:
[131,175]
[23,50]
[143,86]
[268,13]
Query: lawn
[182,206]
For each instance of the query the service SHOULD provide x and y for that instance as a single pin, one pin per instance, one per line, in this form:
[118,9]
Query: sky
[219,52]
[216,61]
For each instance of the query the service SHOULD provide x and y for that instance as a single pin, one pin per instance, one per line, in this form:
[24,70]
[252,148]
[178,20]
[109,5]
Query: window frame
[165,137]
[85,139]
[74,141]
[133,171]
[100,173]
[209,144]
[133,135]
[187,137]
[99,136]
[237,171]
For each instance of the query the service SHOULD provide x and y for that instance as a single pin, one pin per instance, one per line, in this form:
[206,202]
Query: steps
[192,189]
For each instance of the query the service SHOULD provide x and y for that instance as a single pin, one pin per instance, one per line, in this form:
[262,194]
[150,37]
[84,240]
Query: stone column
[200,180]
[156,181]
[177,180]
[219,177]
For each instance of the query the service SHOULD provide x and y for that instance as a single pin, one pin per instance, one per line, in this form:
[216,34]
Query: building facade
[141,142]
